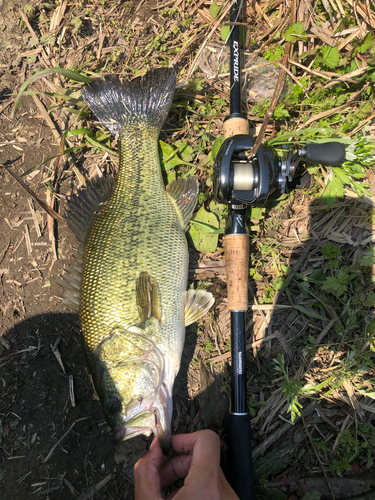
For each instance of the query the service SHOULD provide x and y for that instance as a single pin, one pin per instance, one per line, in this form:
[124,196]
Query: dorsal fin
[71,281]
[184,194]
[80,211]
[86,203]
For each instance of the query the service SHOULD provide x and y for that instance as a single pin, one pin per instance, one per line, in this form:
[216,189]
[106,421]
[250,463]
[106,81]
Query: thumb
[146,474]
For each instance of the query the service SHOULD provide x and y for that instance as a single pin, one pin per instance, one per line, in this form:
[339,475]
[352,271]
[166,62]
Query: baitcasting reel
[239,179]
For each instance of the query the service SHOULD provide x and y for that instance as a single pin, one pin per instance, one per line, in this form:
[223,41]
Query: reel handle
[327,153]
[236,250]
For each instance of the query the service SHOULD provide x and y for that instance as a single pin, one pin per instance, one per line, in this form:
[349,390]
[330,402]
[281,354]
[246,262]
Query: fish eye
[114,406]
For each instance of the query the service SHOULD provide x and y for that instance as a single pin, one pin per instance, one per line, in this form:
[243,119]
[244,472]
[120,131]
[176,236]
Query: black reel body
[241,179]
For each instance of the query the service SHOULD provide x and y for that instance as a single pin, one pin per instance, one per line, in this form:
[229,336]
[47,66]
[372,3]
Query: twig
[317,73]
[63,437]
[324,332]
[71,391]
[47,118]
[293,77]
[275,97]
[94,489]
[26,21]
[318,457]
[266,307]
[57,354]
[251,68]
[362,124]
[5,251]
[208,37]
[35,220]
[249,346]
[43,204]
[29,248]
[332,111]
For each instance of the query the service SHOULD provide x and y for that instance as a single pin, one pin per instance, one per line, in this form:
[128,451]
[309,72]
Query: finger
[226,490]
[146,474]
[176,468]
[204,445]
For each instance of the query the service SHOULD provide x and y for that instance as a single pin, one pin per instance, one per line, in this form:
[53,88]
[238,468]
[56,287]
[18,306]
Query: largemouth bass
[131,283]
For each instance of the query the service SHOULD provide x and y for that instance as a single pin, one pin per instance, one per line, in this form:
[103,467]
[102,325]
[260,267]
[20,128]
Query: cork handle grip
[235,126]
[236,248]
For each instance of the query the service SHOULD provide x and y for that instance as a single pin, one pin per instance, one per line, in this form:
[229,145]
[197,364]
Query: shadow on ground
[54,441]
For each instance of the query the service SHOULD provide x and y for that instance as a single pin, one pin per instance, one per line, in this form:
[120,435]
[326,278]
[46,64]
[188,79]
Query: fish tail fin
[125,103]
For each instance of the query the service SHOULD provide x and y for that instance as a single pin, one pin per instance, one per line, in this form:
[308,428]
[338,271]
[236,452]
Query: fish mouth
[155,420]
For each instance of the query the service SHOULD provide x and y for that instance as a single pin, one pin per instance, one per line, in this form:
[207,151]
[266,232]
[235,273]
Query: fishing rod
[242,180]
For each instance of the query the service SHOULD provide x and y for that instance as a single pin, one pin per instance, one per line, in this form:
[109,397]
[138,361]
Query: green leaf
[330,251]
[186,152]
[312,389]
[344,275]
[215,9]
[67,73]
[309,312]
[65,152]
[207,227]
[305,134]
[273,463]
[370,394]
[367,259]
[274,53]
[317,277]
[225,31]
[366,43]
[100,146]
[169,158]
[210,159]
[78,131]
[331,56]
[295,32]
[334,189]
[333,286]
[280,112]
[77,23]
[216,146]
[257,213]
[201,222]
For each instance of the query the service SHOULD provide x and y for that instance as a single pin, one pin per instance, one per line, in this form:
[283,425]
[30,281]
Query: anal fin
[197,304]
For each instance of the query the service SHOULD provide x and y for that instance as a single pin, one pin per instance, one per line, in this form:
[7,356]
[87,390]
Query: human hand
[199,464]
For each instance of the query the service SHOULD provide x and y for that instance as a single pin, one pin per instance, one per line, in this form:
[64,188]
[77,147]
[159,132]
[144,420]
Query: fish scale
[115,255]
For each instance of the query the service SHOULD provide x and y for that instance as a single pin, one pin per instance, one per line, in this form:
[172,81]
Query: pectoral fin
[147,297]
[197,304]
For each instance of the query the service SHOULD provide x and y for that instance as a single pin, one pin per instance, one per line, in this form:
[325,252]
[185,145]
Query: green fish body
[133,304]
